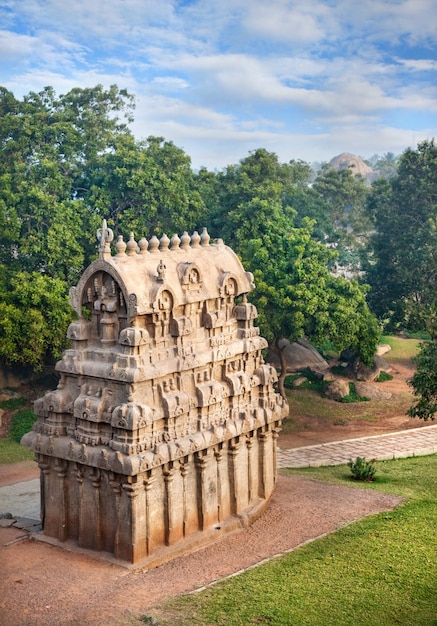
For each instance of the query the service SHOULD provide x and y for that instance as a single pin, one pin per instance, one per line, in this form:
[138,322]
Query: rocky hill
[347,160]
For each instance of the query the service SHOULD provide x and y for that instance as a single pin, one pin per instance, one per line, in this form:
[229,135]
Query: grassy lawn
[379,571]
[12,452]
[402,350]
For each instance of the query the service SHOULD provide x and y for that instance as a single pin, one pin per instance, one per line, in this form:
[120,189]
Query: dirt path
[41,585]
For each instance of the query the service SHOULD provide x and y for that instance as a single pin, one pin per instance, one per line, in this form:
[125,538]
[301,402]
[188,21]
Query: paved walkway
[414,442]
[22,499]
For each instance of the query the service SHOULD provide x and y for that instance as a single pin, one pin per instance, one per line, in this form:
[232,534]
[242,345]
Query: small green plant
[22,422]
[361,469]
[12,404]
[383,376]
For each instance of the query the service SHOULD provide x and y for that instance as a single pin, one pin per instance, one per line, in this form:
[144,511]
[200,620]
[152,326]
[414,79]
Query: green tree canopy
[402,266]
[147,187]
[296,294]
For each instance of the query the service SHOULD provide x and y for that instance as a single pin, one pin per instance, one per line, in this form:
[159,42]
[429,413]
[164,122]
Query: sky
[306,79]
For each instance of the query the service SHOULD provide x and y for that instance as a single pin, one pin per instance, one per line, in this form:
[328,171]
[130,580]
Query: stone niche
[161,434]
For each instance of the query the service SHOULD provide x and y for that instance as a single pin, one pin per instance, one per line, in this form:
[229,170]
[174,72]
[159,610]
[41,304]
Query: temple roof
[187,269]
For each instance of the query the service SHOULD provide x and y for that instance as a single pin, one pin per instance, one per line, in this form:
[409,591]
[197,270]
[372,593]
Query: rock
[371,391]
[358,371]
[346,160]
[299,355]
[382,364]
[383,348]
[337,390]
[297,382]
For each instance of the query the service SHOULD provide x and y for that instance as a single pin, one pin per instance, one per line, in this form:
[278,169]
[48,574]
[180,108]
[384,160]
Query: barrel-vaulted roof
[187,269]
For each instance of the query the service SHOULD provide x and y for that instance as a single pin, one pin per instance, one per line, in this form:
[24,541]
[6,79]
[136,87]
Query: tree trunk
[274,346]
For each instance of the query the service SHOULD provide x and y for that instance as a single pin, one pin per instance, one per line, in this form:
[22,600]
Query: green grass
[12,452]
[379,571]
[401,349]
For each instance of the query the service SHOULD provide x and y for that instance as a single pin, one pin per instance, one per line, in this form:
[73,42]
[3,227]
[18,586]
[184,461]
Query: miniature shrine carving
[162,431]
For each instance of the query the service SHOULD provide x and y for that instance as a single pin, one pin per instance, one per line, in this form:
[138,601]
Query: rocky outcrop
[337,389]
[372,392]
[300,355]
[347,160]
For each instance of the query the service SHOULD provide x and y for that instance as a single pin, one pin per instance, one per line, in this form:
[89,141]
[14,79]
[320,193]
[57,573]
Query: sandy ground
[41,585]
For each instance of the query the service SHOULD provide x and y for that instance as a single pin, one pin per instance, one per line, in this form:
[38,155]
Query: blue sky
[307,79]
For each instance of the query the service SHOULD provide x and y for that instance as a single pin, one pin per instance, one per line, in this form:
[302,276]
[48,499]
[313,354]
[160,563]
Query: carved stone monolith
[162,431]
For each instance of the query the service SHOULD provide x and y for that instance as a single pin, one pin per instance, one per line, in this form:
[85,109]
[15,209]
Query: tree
[146,187]
[47,146]
[297,295]
[47,231]
[342,206]
[402,262]
[424,383]
[34,315]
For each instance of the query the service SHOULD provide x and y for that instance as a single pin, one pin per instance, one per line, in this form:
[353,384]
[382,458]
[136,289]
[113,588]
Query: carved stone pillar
[115,485]
[169,504]
[234,481]
[61,468]
[267,471]
[183,468]
[131,534]
[44,466]
[201,466]
[148,484]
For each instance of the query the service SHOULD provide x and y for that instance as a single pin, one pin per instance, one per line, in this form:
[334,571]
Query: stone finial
[143,244]
[204,237]
[120,246]
[185,241]
[164,243]
[153,244]
[105,236]
[195,239]
[175,242]
[132,245]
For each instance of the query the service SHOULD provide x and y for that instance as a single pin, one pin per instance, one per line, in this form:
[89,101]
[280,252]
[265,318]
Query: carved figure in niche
[161,269]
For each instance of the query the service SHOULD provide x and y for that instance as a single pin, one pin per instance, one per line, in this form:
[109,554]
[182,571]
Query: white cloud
[284,21]
[221,78]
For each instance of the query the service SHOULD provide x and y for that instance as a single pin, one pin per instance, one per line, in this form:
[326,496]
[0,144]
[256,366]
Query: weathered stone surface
[382,349]
[163,427]
[337,389]
[372,392]
[299,356]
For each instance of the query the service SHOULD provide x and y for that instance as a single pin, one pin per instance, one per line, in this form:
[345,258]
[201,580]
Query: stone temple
[161,434]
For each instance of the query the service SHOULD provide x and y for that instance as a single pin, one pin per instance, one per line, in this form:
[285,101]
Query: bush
[362,469]
[383,376]
[22,422]
[12,404]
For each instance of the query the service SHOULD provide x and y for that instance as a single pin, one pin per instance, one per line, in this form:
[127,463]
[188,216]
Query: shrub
[362,469]
[12,404]
[22,422]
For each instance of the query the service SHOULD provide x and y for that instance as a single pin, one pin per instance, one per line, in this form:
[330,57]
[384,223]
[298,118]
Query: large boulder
[337,390]
[372,392]
[299,355]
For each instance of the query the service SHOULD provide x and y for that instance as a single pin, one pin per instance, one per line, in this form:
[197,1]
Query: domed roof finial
[105,236]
